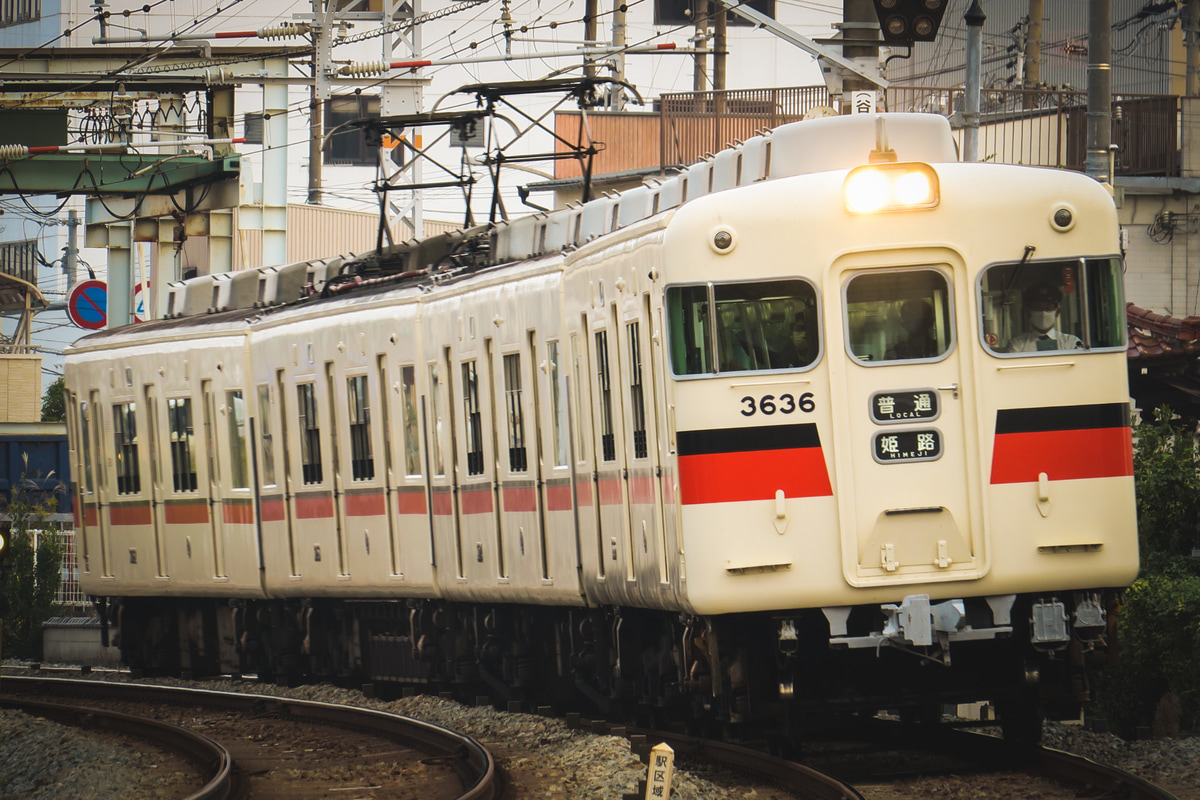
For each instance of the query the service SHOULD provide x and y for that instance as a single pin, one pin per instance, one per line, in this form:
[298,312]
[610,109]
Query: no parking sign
[87,305]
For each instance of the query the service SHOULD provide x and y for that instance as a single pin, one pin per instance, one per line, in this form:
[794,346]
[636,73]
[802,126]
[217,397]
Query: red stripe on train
[186,513]
[754,475]
[239,514]
[558,498]
[1063,455]
[130,515]
[272,511]
[519,499]
[366,505]
[314,507]
[410,503]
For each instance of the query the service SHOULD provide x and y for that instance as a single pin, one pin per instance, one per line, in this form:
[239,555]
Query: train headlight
[891,187]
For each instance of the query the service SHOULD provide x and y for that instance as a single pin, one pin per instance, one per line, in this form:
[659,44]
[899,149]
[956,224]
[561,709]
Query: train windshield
[899,315]
[743,327]
[1052,306]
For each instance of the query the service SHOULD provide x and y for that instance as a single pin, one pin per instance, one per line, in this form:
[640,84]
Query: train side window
[899,316]
[239,475]
[182,441]
[412,445]
[637,405]
[129,479]
[310,433]
[517,458]
[1051,306]
[763,325]
[607,439]
[435,438]
[557,423]
[85,444]
[472,418]
[266,441]
[362,462]
[690,330]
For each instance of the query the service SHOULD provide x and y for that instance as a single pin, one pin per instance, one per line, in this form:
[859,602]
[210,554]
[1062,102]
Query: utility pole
[720,48]
[974,19]
[860,27]
[322,59]
[591,33]
[1033,51]
[618,60]
[700,41]
[1099,107]
[1191,35]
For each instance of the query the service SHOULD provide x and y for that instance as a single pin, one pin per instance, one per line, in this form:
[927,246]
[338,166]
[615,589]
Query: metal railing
[1017,126]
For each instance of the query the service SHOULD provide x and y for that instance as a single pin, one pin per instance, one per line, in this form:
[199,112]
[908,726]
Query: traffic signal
[907,21]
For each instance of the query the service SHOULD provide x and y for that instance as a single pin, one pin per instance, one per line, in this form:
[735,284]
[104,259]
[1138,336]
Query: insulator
[13,151]
[282,31]
[366,69]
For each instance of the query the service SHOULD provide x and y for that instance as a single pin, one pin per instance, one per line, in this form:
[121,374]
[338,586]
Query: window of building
[473,418]
[743,327]
[362,464]
[685,12]
[310,433]
[899,316]
[129,480]
[348,145]
[183,452]
[1070,304]
[513,411]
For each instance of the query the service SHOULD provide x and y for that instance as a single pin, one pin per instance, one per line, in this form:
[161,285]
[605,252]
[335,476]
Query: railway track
[870,768]
[254,746]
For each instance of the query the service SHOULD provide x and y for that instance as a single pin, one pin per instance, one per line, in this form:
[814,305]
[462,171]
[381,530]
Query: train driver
[1042,301]
[916,317]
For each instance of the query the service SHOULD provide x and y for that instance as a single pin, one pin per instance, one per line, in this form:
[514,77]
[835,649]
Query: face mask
[1043,320]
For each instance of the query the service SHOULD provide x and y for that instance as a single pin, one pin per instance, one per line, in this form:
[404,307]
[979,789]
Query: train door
[520,466]
[287,490]
[157,500]
[614,533]
[102,486]
[215,509]
[440,445]
[647,555]
[480,529]
[905,478]
[84,485]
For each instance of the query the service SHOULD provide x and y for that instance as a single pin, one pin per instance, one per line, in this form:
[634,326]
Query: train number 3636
[785,404]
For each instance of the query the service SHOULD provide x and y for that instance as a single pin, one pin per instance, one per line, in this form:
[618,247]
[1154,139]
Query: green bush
[1158,628]
[31,572]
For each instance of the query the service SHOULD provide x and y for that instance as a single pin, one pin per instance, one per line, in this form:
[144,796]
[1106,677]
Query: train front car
[902,425]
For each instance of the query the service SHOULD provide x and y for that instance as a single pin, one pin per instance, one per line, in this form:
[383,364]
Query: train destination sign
[904,406]
[908,446]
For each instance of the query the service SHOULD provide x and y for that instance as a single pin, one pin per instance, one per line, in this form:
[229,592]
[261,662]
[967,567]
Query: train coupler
[915,622]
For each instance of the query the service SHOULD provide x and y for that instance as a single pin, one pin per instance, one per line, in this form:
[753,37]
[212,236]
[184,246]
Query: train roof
[226,303]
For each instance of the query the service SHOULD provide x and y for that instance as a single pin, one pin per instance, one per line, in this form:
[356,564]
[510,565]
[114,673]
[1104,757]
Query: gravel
[43,760]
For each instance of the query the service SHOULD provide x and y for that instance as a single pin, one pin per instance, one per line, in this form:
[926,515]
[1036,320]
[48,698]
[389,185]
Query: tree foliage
[1158,631]
[54,404]
[32,570]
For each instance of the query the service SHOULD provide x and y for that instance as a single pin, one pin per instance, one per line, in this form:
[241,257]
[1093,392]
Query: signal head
[908,21]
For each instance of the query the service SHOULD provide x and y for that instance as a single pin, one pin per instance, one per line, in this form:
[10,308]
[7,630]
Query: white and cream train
[763,437]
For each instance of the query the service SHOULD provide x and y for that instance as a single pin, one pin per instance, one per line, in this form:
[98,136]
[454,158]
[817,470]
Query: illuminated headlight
[891,187]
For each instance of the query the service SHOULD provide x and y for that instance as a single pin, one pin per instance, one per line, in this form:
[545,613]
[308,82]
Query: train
[763,440]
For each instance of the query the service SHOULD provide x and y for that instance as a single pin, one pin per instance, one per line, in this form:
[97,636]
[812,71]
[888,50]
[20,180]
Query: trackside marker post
[658,779]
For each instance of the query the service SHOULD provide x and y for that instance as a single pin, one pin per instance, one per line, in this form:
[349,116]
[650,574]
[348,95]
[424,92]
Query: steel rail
[212,759]
[466,755]
[814,783]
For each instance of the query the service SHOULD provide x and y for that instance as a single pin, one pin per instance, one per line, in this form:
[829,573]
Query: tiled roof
[1153,335]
